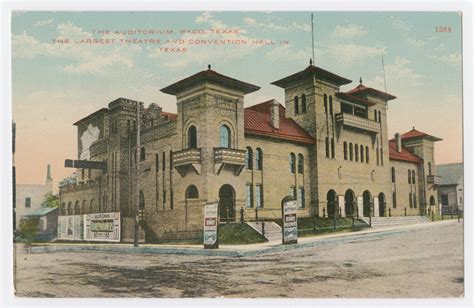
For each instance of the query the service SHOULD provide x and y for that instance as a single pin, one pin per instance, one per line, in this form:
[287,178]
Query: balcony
[187,160]
[433,179]
[352,121]
[227,158]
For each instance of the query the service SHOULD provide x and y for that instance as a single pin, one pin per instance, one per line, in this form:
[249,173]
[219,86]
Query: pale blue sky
[53,85]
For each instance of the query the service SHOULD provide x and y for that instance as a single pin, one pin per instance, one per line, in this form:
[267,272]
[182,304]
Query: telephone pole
[137,188]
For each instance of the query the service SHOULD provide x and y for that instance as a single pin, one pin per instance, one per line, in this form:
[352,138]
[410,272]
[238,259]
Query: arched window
[380,117]
[91,207]
[413,177]
[225,136]
[356,150]
[192,192]
[327,147]
[393,175]
[330,104]
[248,158]
[300,164]
[297,107]
[375,115]
[142,154]
[259,159]
[303,103]
[192,137]
[84,210]
[69,209]
[292,162]
[77,208]
[333,150]
[345,150]
[141,200]
[366,154]
[378,155]
[63,209]
[351,152]
[409,176]
[361,153]
[325,103]
[429,168]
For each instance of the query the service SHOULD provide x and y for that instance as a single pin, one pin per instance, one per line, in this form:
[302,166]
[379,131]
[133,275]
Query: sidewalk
[239,250]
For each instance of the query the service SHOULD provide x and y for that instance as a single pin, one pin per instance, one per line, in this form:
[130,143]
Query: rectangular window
[27,202]
[381,156]
[333,154]
[163,160]
[248,195]
[171,200]
[259,195]
[157,162]
[301,200]
[378,156]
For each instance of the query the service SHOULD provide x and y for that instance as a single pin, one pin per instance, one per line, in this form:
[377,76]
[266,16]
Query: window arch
[303,103]
[192,137]
[297,107]
[409,176]
[333,150]
[248,158]
[292,162]
[77,208]
[356,150]
[259,159]
[330,104]
[351,152]
[361,153]
[380,117]
[63,209]
[393,174]
[325,103]
[366,154]
[375,115]
[225,137]
[413,177]
[69,208]
[345,150]
[300,163]
[192,192]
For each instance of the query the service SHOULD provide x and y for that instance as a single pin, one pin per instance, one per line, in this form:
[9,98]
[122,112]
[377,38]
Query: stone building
[327,148]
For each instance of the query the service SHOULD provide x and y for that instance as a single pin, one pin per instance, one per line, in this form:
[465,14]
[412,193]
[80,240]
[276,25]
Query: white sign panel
[290,223]
[103,227]
[70,227]
[210,224]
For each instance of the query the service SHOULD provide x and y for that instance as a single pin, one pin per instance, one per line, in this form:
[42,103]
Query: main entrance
[367,197]
[382,205]
[227,203]
[349,200]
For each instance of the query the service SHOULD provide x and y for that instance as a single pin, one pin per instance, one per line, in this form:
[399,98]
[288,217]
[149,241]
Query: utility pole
[137,188]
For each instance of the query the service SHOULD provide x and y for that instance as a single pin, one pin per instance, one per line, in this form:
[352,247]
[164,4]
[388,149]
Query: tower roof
[413,134]
[311,71]
[361,90]
[212,76]
[403,155]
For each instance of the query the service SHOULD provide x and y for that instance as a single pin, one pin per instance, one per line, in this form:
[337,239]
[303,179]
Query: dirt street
[424,262]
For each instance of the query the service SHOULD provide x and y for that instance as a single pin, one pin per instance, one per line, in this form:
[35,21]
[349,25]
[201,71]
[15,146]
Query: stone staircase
[272,230]
[378,222]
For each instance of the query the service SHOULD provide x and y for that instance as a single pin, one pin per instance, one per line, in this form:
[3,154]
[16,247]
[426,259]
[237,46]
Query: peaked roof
[412,134]
[362,90]
[257,122]
[171,116]
[451,174]
[41,212]
[404,155]
[209,75]
[311,71]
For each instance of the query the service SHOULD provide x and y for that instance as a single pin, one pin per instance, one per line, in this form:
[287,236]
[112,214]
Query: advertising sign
[70,227]
[103,227]
[210,226]
[290,222]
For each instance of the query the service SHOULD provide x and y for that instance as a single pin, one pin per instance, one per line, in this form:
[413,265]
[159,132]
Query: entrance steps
[378,222]
[272,230]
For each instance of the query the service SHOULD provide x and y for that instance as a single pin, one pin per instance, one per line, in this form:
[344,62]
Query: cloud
[415,43]
[289,53]
[400,24]
[399,74]
[274,27]
[83,58]
[453,59]
[348,54]
[348,32]
[45,22]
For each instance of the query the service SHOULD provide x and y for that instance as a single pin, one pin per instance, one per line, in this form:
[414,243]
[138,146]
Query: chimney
[275,114]
[48,172]
[398,140]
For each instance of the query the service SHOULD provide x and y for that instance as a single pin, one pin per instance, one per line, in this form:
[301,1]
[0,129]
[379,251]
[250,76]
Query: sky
[55,84]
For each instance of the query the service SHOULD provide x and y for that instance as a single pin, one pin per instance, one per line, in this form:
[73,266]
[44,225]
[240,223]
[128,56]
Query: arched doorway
[349,202]
[432,200]
[382,205]
[331,203]
[367,199]
[227,203]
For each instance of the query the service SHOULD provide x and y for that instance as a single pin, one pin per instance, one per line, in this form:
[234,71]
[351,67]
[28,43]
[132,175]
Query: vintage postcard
[230,154]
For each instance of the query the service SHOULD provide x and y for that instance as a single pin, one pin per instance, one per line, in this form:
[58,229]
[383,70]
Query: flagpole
[312,36]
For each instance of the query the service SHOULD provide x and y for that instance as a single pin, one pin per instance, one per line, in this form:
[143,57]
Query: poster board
[70,227]
[290,222]
[210,226]
[102,227]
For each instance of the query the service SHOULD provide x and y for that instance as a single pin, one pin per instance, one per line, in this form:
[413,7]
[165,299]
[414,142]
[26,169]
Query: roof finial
[360,80]
[208,66]
[310,61]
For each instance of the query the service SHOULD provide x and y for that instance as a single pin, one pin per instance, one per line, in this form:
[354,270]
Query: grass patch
[309,226]
[237,233]
[438,217]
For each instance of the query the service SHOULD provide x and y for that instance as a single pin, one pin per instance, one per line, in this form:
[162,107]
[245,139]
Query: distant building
[30,198]
[329,149]
[451,188]
[47,222]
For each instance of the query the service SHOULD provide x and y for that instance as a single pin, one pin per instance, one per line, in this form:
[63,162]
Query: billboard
[290,223]
[103,227]
[70,227]
[210,226]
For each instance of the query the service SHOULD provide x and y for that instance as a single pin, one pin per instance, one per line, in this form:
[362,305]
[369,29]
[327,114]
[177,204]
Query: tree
[50,200]
[28,229]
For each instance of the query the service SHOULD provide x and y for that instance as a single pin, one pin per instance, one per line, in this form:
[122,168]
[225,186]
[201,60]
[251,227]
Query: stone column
[342,205]
[376,206]
[360,206]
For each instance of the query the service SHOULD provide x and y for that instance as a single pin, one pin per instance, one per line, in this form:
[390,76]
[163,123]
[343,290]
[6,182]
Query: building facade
[451,187]
[329,149]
